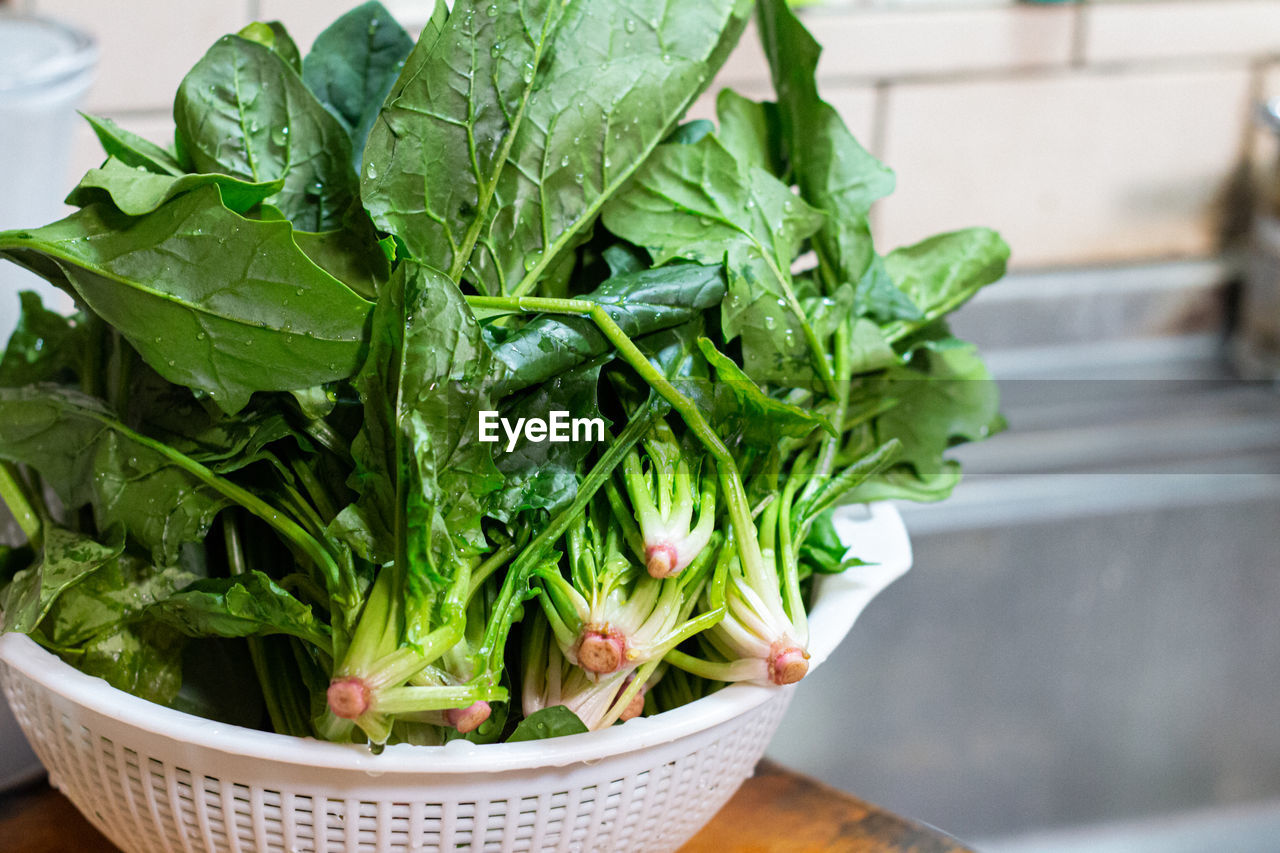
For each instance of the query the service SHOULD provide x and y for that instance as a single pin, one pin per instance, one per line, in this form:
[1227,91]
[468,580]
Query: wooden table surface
[776,811]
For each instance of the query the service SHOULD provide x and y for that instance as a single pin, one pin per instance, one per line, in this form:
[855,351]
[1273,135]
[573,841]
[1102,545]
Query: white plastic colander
[154,779]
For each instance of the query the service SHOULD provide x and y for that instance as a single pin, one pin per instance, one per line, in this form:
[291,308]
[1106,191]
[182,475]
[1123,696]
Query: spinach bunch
[250,469]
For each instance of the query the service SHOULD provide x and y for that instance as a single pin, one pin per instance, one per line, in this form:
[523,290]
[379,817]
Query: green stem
[489,566]
[375,632]
[710,670]
[517,580]
[630,532]
[788,552]
[328,438]
[324,507]
[342,587]
[638,680]
[257,649]
[15,498]
[90,371]
[831,444]
[121,372]
[730,481]
[235,554]
[410,700]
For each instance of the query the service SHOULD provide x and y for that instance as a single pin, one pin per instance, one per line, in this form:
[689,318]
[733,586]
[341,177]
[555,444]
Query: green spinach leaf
[274,36]
[243,111]
[942,273]
[699,202]
[543,475]
[44,347]
[423,477]
[353,64]
[621,75]
[439,145]
[742,409]
[248,605]
[74,442]
[135,191]
[639,302]
[66,559]
[835,174]
[132,150]
[211,300]
[556,721]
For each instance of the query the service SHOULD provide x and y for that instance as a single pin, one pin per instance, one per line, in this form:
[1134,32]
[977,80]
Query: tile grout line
[1079,36]
[880,119]
[1043,72]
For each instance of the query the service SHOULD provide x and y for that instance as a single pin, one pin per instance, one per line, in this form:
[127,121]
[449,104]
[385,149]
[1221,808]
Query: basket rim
[880,537]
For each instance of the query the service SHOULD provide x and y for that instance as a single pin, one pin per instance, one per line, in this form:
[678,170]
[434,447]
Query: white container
[45,70]
[154,779]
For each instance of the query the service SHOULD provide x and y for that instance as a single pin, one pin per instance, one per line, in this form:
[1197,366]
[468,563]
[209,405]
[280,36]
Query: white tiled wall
[1072,166]
[1127,32]
[1089,132]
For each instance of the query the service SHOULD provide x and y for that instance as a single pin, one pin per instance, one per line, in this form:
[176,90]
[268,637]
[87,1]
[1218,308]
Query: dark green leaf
[274,36]
[945,396]
[691,131]
[942,273]
[543,475]
[209,299]
[248,605]
[133,150]
[556,721]
[229,443]
[622,74]
[66,558]
[243,111]
[44,347]
[558,105]
[698,202]
[353,64]
[877,297]
[145,660]
[351,255]
[823,552]
[741,408]
[88,458]
[102,603]
[835,174]
[639,302]
[136,191]
[439,145]
[422,475]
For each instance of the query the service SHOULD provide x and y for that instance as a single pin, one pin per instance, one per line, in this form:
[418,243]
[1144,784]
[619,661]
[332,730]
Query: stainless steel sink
[1089,635]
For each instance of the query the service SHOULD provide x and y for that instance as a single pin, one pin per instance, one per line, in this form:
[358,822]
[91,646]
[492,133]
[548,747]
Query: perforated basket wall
[154,779]
[145,794]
